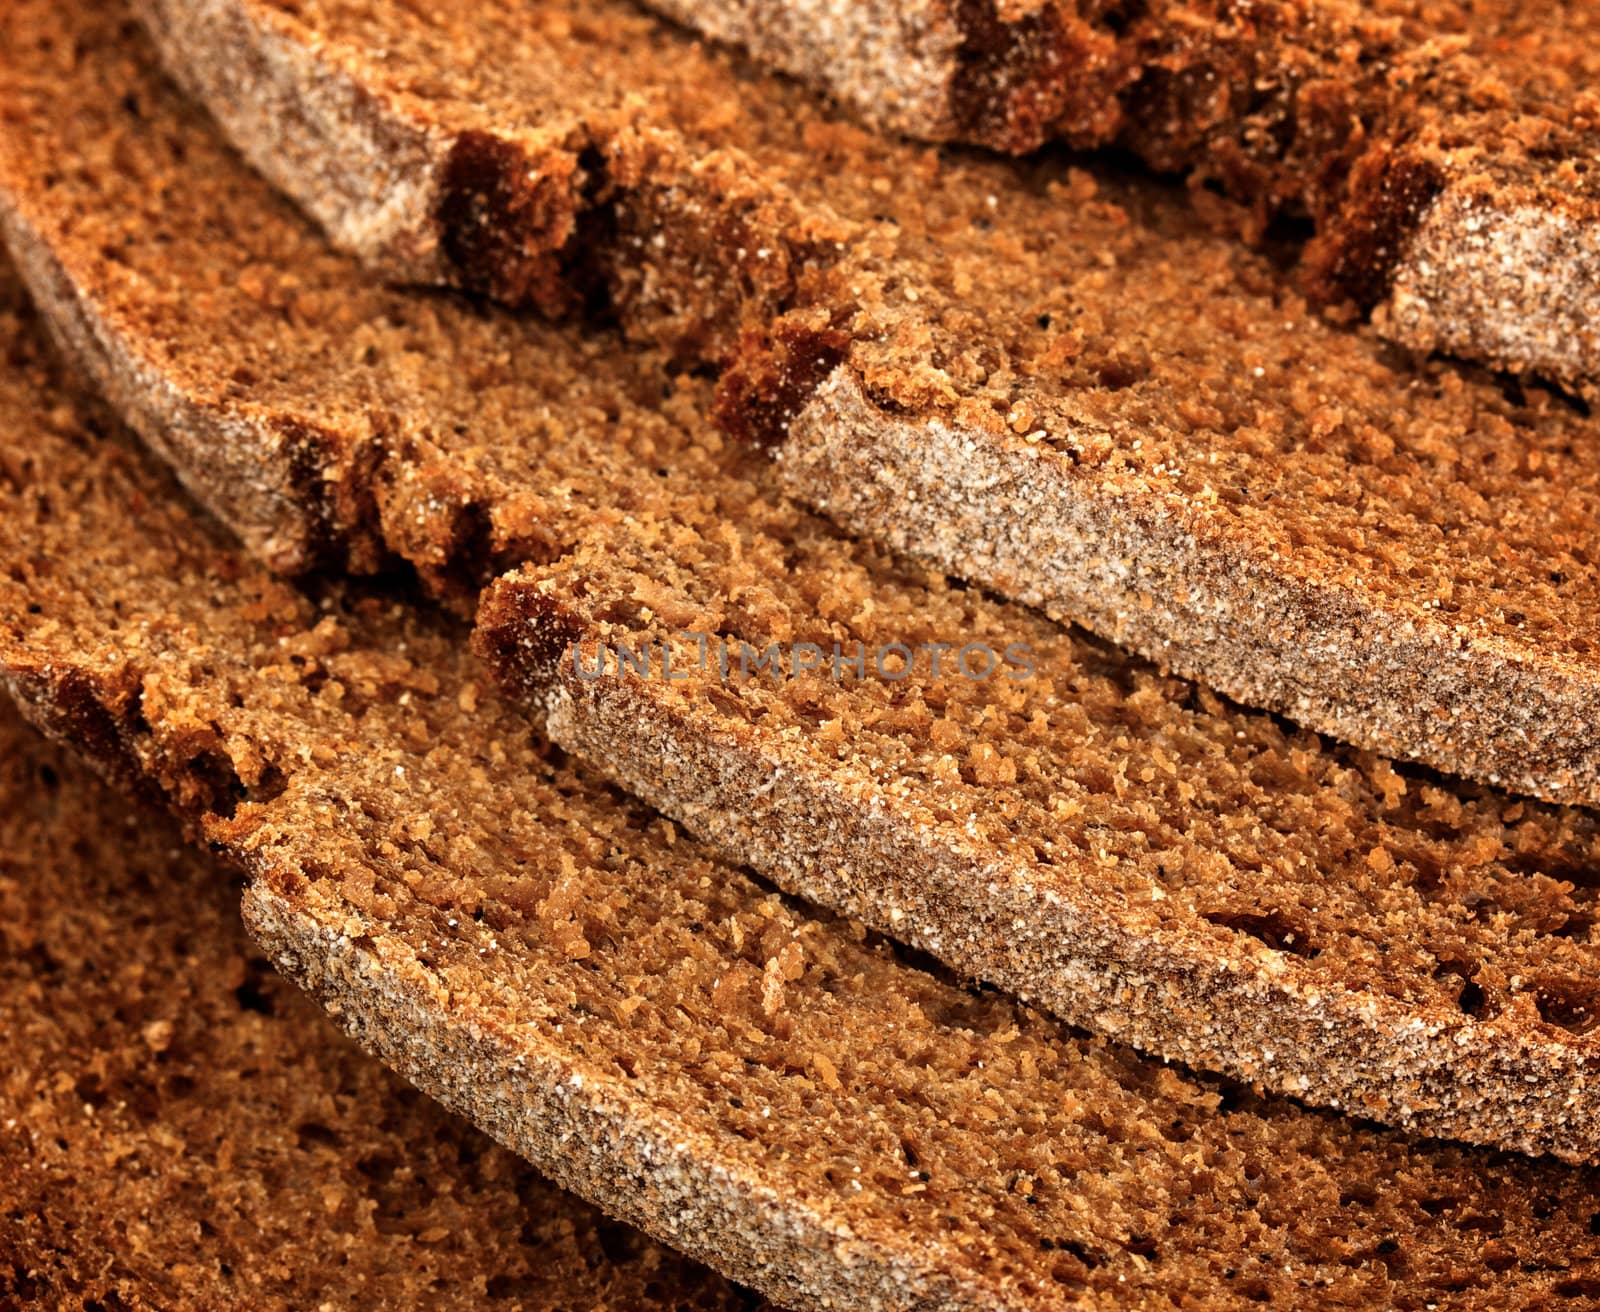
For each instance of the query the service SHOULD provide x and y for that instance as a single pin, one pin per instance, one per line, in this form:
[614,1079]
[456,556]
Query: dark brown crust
[503,233]
[70,707]
[1020,80]
[525,637]
[1322,109]
[775,373]
[1387,195]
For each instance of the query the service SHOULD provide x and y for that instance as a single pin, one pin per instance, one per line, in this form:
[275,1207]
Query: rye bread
[773,1090]
[1442,151]
[1120,847]
[1054,386]
[459,441]
[180,1129]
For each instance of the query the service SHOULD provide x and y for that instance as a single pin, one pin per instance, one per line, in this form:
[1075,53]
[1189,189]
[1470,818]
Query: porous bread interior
[460,440]
[1114,362]
[181,1129]
[1041,811]
[345,752]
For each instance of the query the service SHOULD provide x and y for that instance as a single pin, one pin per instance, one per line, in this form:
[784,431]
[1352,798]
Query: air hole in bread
[1579,1287]
[1473,999]
[1570,1004]
[1578,925]
[1278,931]
[310,1134]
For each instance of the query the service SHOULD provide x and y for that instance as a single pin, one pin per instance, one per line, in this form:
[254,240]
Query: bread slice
[411,434]
[1052,386]
[181,1129]
[778,1092]
[595,201]
[331,422]
[1440,150]
[1044,813]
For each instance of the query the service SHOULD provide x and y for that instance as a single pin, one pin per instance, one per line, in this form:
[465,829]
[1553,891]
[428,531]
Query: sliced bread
[1056,387]
[462,441]
[1441,150]
[774,1091]
[1036,809]
[181,1130]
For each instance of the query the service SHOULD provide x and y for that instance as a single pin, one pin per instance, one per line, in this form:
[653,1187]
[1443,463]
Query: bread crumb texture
[1058,385]
[778,1091]
[1137,854]
[181,1129]
[1038,809]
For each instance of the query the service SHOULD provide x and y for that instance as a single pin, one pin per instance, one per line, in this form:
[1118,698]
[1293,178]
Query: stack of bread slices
[935,654]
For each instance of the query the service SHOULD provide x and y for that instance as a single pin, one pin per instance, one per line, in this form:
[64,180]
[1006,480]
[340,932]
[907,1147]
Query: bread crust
[642,1164]
[590,204]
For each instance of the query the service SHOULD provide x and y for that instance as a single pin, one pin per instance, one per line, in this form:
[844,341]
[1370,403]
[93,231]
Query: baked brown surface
[461,442]
[180,1128]
[1441,150]
[1056,386]
[777,1090]
[1036,809]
